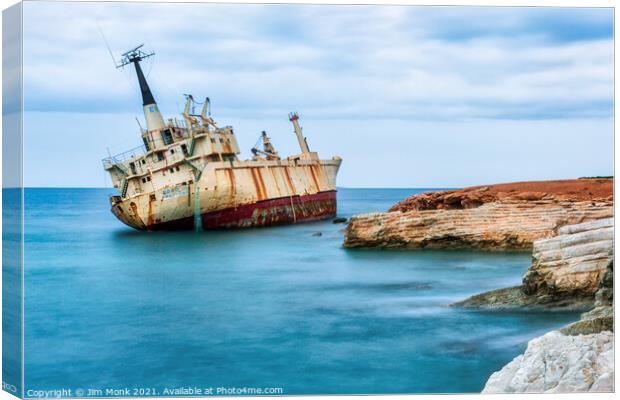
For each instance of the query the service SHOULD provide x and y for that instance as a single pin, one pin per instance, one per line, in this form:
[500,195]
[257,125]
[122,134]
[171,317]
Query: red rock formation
[472,197]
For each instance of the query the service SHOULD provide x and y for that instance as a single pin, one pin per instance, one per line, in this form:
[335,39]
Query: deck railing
[157,141]
[136,152]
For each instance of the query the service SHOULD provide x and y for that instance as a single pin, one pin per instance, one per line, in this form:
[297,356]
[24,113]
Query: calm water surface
[110,307]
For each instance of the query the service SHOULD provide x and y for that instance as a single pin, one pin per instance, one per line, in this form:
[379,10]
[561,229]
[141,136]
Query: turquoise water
[108,307]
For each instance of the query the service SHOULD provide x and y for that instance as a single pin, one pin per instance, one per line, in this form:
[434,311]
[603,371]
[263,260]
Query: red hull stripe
[278,211]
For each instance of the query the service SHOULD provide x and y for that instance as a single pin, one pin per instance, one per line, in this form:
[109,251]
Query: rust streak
[259,192]
[316,183]
[289,180]
[149,220]
[261,182]
[231,180]
[322,176]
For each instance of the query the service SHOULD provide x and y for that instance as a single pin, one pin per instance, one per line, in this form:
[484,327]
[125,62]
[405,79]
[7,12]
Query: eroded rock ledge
[573,262]
[496,218]
[566,272]
[502,225]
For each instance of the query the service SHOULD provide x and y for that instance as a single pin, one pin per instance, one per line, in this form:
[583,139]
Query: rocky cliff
[566,271]
[601,317]
[572,262]
[500,225]
[498,217]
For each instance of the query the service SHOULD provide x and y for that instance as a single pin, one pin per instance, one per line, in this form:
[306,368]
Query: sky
[408,96]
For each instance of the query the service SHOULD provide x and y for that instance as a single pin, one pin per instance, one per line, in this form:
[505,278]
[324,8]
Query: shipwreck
[187,173]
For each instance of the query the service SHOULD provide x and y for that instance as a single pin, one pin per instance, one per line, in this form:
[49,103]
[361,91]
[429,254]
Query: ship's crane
[191,117]
[188,112]
[268,151]
[205,114]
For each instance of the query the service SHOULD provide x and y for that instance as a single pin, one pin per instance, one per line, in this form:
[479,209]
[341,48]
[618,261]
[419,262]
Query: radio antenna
[106,43]
[134,55]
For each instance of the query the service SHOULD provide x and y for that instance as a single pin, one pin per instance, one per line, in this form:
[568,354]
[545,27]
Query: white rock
[573,261]
[556,363]
[586,226]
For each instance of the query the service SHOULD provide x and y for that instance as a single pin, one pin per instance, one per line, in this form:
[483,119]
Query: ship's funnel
[154,120]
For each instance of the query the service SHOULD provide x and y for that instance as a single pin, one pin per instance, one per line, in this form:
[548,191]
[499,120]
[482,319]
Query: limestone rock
[501,225]
[578,357]
[573,262]
[556,363]
[598,320]
[573,270]
[601,318]
[507,216]
[513,298]
[605,294]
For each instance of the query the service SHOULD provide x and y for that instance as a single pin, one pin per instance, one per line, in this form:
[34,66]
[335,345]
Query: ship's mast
[154,120]
[303,144]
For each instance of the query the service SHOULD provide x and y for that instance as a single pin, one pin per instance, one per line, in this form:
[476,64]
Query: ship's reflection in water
[109,307]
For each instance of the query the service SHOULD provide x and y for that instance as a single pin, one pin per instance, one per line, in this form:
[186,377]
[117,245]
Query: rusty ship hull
[282,211]
[246,194]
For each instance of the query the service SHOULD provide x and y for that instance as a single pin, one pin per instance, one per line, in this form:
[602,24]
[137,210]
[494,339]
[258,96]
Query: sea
[113,311]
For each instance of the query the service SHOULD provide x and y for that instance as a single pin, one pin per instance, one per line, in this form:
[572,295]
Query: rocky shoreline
[573,270]
[568,226]
[565,272]
[576,358]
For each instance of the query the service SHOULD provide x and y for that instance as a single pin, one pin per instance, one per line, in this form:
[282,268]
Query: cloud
[439,63]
